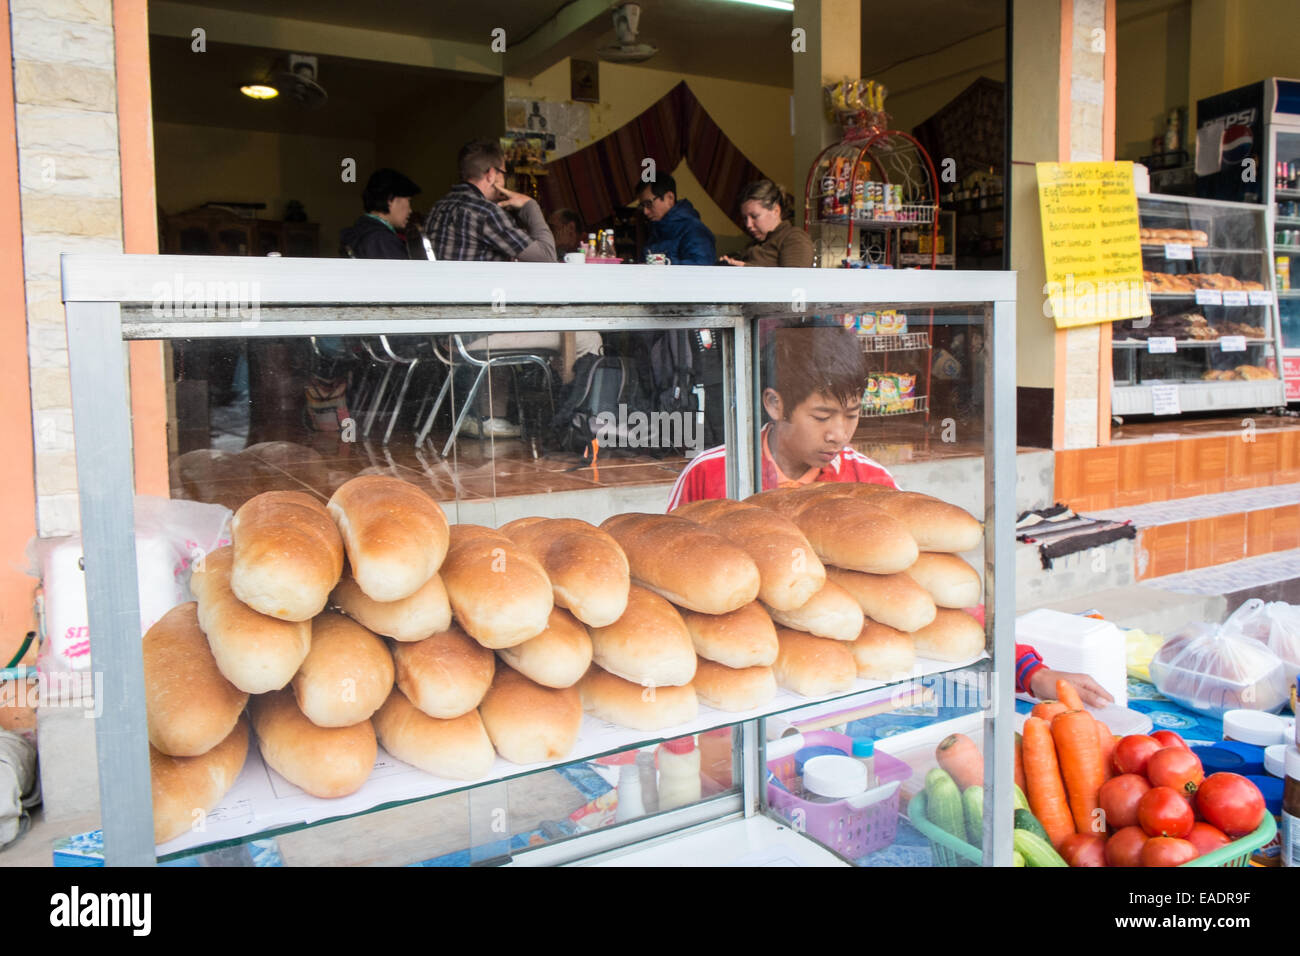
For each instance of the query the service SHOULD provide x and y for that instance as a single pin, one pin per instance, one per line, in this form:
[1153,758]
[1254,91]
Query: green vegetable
[1017,858]
[1027,821]
[973,803]
[943,804]
[1021,801]
[1036,850]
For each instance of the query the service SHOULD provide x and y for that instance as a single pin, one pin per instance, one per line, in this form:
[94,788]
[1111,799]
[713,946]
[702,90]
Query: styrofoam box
[1080,645]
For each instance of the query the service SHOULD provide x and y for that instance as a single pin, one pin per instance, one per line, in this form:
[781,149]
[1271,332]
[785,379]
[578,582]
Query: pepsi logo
[1237,144]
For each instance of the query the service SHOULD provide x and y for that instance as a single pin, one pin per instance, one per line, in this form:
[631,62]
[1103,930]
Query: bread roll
[935,525]
[445,675]
[621,702]
[949,580]
[831,612]
[182,785]
[529,723]
[457,749]
[892,599]
[883,653]
[189,704]
[347,674]
[587,568]
[324,761]
[498,592]
[743,638]
[813,666]
[649,645]
[557,657]
[733,689]
[413,618]
[394,533]
[288,555]
[952,636]
[685,563]
[846,532]
[257,653]
[789,571]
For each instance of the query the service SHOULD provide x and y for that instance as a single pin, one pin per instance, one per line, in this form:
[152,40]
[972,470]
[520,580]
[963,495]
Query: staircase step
[1151,609]
[1254,572]
[1201,507]
[1082,573]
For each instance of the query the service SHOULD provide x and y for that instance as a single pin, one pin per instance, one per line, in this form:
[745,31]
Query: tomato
[1231,803]
[1206,838]
[1125,847]
[1168,738]
[1167,851]
[1084,849]
[1163,812]
[1132,753]
[1119,798]
[1176,768]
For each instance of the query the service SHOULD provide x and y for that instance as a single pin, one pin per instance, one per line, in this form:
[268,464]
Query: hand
[512,199]
[728,261]
[1043,686]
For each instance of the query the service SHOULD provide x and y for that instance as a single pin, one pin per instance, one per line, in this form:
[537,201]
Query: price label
[1236,297]
[1162,344]
[1164,400]
[1209,297]
[1260,297]
[1232,343]
[1178,250]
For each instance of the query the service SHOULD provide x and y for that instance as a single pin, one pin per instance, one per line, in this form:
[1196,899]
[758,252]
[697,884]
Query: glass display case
[1212,339]
[611,789]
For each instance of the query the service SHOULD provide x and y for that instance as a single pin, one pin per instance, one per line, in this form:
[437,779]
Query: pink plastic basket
[848,831]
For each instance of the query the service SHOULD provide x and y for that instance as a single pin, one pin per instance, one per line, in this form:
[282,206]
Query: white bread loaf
[813,666]
[952,636]
[883,653]
[529,723]
[326,762]
[499,593]
[190,705]
[934,524]
[831,612]
[621,702]
[257,653]
[445,675]
[347,674]
[413,618]
[947,578]
[557,657]
[457,749]
[587,568]
[743,638]
[892,599]
[186,788]
[288,555]
[789,571]
[687,564]
[733,689]
[847,532]
[649,645]
[395,534]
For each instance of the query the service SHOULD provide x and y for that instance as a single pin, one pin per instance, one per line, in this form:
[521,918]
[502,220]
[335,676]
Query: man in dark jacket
[387,203]
[675,226]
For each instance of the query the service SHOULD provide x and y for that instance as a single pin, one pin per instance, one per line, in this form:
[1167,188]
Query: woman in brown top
[769,217]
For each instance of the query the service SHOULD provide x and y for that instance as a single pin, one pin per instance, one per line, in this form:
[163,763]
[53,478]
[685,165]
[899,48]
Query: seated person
[768,211]
[675,227]
[566,226]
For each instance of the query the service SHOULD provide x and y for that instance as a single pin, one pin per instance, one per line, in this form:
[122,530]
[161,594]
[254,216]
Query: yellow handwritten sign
[1090,243]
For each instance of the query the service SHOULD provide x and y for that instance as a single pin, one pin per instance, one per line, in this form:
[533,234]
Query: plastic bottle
[591,245]
[864,749]
[645,762]
[679,773]
[629,793]
[1291,810]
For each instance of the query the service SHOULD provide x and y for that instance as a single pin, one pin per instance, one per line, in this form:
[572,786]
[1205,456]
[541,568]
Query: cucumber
[1036,850]
[973,803]
[1017,858]
[943,804]
[1021,801]
[1027,821]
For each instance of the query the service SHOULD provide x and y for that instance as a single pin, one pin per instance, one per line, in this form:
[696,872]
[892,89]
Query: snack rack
[113,299]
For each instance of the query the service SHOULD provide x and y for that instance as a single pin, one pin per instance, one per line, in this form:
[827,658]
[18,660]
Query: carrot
[1106,740]
[1020,764]
[958,755]
[1044,788]
[1047,709]
[1067,695]
[1079,753]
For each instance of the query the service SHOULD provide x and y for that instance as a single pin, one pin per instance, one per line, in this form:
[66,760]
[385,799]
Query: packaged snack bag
[871,397]
[888,392]
[867,323]
[907,392]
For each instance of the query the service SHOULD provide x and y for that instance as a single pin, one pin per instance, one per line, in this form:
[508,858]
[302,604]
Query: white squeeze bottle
[679,773]
[629,793]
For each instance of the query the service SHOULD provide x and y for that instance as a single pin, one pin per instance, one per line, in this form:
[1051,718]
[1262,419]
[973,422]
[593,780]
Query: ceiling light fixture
[786,5]
[259,91]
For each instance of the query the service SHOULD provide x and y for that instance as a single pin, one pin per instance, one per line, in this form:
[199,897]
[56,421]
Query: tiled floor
[1236,576]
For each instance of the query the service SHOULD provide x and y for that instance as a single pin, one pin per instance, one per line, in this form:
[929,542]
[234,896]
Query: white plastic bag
[1276,624]
[1214,669]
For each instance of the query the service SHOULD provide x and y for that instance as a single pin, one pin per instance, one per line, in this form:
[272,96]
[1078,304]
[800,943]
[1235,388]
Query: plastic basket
[949,851]
[850,831]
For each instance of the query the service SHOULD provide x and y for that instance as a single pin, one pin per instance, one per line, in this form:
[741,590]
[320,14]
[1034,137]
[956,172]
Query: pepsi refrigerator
[1248,150]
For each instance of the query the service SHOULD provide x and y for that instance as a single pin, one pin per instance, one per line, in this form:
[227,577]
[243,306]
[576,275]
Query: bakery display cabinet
[1213,337]
[663,756]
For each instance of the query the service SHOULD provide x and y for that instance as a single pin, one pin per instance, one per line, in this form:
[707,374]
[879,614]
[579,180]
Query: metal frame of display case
[114,299]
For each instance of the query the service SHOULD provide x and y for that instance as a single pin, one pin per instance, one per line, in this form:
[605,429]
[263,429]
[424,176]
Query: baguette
[952,636]
[413,618]
[733,689]
[743,638]
[813,666]
[457,749]
[621,702]
[935,525]
[190,706]
[649,645]
[892,599]
[498,592]
[846,532]
[832,612]
[326,762]
[689,565]
[395,534]
[948,579]
[529,723]
[883,653]
[184,789]
[557,657]
[445,675]
[347,675]
[587,568]
[288,555]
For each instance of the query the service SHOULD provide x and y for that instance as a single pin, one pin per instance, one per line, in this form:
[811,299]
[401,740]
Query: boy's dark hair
[660,186]
[800,361]
[479,156]
[383,186]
